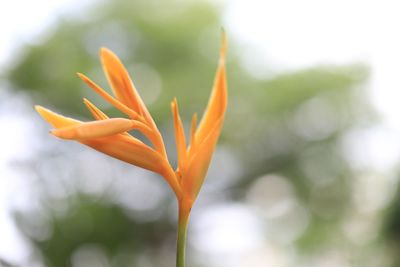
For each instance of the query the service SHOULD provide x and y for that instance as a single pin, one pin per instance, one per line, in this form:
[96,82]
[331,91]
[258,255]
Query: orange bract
[109,135]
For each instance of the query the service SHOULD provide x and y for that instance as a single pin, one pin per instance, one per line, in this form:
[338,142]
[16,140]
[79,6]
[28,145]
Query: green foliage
[90,221]
[290,125]
[159,40]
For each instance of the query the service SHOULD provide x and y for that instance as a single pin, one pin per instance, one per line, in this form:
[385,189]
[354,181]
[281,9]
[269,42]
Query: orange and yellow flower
[110,135]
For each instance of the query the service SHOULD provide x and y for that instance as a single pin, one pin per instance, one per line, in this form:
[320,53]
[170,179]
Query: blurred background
[306,172]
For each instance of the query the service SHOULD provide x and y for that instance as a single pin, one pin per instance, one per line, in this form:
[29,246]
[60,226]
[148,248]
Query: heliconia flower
[110,135]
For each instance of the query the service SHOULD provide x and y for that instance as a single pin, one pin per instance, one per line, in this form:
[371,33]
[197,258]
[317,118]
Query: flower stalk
[183,221]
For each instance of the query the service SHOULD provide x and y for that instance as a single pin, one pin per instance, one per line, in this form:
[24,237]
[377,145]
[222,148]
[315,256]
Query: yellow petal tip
[82,76]
[58,133]
[42,110]
[104,52]
[37,108]
[104,49]
[173,103]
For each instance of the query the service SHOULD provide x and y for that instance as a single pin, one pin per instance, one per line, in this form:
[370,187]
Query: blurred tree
[291,125]
[165,46]
[391,230]
[94,227]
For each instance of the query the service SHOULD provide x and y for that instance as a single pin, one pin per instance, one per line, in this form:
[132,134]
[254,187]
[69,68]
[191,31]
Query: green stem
[183,220]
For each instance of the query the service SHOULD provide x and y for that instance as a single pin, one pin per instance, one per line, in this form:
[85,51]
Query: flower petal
[127,94]
[133,151]
[179,134]
[193,132]
[95,129]
[54,119]
[151,135]
[204,141]
[218,100]
[130,150]
[122,84]
[96,112]
[119,105]
[198,162]
[123,147]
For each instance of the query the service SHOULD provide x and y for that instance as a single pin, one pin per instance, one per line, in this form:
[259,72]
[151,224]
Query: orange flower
[110,135]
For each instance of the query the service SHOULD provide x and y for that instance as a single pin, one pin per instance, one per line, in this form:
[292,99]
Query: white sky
[279,34]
